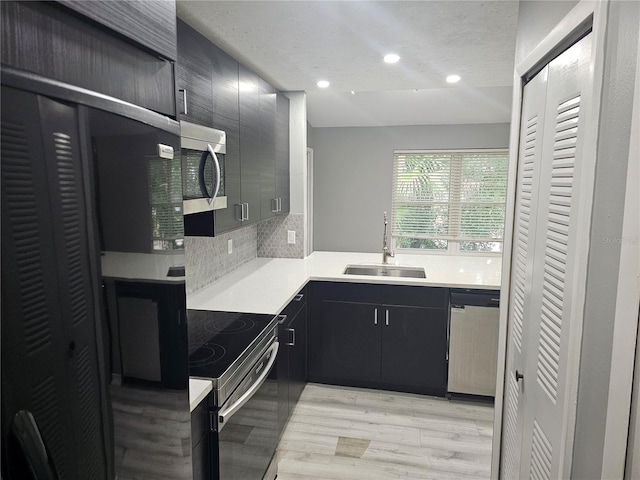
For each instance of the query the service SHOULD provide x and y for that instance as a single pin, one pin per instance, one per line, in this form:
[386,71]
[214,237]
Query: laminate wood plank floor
[342,433]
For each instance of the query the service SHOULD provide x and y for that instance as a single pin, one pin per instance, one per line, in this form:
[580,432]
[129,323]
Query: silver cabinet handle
[298,297]
[386,317]
[228,412]
[274,205]
[247,215]
[281,319]
[375,316]
[293,337]
[216,163]
[279,204]
[184,101]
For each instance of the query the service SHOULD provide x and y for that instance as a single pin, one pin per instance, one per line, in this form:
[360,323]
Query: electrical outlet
[230,246]
[291,237]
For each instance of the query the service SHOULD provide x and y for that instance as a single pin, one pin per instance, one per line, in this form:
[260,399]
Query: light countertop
[267,285]
[198,390]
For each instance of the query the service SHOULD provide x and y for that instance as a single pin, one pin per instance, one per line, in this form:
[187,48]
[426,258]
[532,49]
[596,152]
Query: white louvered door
[529,155]
[544,256]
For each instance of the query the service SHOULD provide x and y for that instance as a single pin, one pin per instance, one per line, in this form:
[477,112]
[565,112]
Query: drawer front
[416,296]
[348,292]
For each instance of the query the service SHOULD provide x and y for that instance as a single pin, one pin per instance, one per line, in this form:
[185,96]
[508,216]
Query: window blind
[449,195]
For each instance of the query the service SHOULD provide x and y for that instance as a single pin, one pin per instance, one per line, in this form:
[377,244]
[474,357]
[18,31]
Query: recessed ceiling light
[453,78]
[352,92]
[391,58]
[323,83]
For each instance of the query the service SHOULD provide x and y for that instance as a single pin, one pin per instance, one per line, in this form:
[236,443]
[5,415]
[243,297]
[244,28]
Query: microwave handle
[216,162]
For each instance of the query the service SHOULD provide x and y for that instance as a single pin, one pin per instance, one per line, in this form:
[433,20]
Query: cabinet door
[249,144]
[282,153]
[282,374]
[193,75]
[268,202]
[226,218]
[224,80]
[151,23]
[351,341]
[84,55]
[297,356]
[414,347]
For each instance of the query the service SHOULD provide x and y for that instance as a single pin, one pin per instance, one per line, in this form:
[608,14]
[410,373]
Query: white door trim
[585,12]
[622,404]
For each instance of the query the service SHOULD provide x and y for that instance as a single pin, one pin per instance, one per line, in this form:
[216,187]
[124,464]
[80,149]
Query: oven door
[245,433]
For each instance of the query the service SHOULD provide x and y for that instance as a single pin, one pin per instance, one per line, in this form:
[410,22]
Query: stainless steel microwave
[202,151]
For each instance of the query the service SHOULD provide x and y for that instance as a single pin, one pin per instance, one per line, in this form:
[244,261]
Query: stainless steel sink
[385,271]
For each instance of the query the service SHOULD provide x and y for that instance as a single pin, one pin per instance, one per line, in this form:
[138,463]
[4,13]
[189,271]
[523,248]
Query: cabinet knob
[519,376]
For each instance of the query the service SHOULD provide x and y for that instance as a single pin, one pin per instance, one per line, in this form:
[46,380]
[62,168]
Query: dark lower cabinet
[351,345]
[292,358]
[388,345]
[201,442]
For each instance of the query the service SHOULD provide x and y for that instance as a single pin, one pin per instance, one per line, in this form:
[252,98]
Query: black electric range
[223,346]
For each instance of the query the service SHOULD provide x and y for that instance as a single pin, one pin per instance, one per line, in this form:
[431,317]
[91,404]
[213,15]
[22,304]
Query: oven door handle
[225,414]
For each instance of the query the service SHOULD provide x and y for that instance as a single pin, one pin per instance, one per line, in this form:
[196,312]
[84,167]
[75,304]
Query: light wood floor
[352,433]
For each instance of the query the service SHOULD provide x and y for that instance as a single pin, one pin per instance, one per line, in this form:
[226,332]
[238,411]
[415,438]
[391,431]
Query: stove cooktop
[217,340]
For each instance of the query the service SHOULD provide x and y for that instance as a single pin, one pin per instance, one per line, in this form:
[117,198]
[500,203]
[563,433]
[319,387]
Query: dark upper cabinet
[282,153]
[193,77]
[214,90]
[225,84]
[51,41]
[227,219]
[151,23]
[367,335]
[250,169]
[267,115]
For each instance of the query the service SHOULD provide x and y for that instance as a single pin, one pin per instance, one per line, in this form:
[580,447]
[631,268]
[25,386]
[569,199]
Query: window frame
[453,245]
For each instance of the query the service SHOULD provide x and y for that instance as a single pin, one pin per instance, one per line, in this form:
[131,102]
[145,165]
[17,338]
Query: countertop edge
[198,391]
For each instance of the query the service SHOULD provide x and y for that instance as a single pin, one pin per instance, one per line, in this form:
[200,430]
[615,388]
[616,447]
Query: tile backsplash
[272,237]
[207,259]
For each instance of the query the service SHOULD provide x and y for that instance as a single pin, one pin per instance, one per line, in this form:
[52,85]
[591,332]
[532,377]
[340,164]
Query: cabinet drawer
[295,305]
[348,292]
[435,297]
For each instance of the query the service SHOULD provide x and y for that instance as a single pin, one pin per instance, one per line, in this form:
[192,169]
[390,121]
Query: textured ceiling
[293,44]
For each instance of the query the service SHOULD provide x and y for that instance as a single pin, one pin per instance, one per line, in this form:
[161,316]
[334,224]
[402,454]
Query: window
[450,201]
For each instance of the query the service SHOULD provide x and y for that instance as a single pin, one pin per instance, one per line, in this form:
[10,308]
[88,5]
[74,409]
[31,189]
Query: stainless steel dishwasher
[473,342]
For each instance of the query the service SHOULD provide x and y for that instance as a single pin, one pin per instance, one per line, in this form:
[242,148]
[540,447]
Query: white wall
[352,175]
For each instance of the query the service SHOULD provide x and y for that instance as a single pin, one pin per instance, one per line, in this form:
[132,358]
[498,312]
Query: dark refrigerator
[94,334]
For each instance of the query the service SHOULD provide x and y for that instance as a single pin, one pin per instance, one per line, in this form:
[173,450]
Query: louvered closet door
[541,423]
[49,362]
[529,155]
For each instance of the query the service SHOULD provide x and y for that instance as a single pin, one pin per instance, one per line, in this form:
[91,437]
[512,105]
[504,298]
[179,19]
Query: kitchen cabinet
[51,41]
[215,90]
[292,357]
[248,210]
[151,24]
[193,77]
[267,116]
[201,441]
[380,336]
[282,154]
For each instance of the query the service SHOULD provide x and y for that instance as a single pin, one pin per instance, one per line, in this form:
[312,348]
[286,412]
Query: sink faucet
[386,251]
